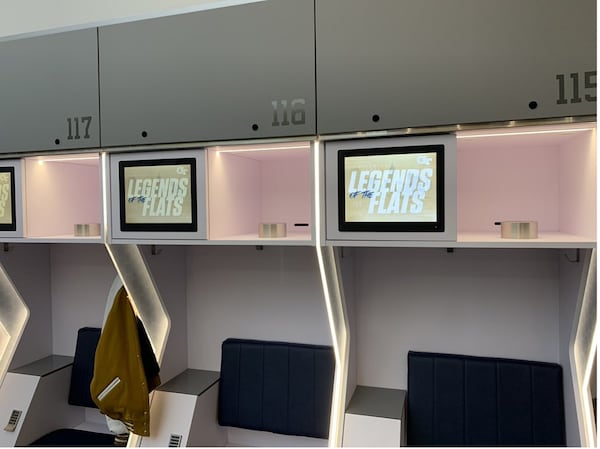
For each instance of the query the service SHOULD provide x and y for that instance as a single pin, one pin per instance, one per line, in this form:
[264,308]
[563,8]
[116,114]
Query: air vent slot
[13,421]
[175,440]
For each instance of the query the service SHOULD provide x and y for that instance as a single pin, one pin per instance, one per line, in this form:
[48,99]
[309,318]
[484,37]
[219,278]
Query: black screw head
[144,134]
[57,141]
[375,118]
[533,105]
[254,127]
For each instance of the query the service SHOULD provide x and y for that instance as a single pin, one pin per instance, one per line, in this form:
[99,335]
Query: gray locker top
[191,381]
[394,64]
[375,401]
[49,92]
[241,72]
[45,366]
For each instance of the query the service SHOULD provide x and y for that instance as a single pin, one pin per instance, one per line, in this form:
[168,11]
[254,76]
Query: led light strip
[339,337]
[105,193]
[245,150]
[67,159]
[588,408]
[522,133]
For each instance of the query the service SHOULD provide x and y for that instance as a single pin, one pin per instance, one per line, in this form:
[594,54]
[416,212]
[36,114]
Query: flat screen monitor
[392,189]
[158,195]
[7,199]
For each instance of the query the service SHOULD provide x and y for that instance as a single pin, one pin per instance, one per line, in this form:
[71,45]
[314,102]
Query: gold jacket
[119,386]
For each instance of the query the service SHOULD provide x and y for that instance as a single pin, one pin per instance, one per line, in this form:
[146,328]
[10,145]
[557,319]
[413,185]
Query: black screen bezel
[12,226]
[159,227]
[393,226]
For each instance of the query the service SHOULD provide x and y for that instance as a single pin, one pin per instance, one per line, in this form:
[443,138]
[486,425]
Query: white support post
[14,314]
[583,350]
[137,279]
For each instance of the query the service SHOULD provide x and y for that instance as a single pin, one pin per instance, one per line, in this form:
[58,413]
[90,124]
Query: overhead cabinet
[49,92]
[394,64]
[240,72]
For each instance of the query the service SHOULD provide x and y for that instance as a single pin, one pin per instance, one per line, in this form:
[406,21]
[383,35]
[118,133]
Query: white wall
[286,191]
[81,277]
[578,186]
[65,287]
[273,294]
[501,303]
[517,183]
[28,266]
[30,17]
[168,270]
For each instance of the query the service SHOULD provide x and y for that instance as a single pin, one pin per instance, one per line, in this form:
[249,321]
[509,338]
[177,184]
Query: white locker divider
[34,401]
[375,417]
[16,391]
[184,412]
[13,318]
[137,279]
[340,336]
[583,352]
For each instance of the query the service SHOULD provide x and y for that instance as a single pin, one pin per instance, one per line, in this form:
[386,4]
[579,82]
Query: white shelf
[544,240]
[555,240]
[293,238]
[53,239]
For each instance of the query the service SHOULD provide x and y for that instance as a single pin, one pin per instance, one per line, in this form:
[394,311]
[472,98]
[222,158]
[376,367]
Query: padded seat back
[79,394]
[83,367]
[456,400]
[278,387]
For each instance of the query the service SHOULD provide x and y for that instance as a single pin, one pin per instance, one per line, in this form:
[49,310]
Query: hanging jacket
[151,368]
[119,386]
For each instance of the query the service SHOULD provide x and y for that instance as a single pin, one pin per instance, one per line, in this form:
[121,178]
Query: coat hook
[155,251]
[577,256]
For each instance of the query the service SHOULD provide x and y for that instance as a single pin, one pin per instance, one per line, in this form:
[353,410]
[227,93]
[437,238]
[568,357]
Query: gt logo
[424,160]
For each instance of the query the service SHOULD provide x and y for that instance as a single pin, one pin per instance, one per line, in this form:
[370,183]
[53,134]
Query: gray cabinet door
[49,92]
[387,64]
[234,73]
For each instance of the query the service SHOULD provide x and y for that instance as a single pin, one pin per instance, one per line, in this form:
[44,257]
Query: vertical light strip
[583,349]
[334,303]
[105,194]
[14,315]
[588,408]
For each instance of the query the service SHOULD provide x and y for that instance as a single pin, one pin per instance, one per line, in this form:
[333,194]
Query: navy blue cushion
[277,387]
[457,400]
[79,394]
[75,438]
[83,367]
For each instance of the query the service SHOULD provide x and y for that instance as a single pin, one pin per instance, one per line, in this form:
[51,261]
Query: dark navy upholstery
[74,438]
[277,387]
[79,394]
[83,367]
[457,400]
